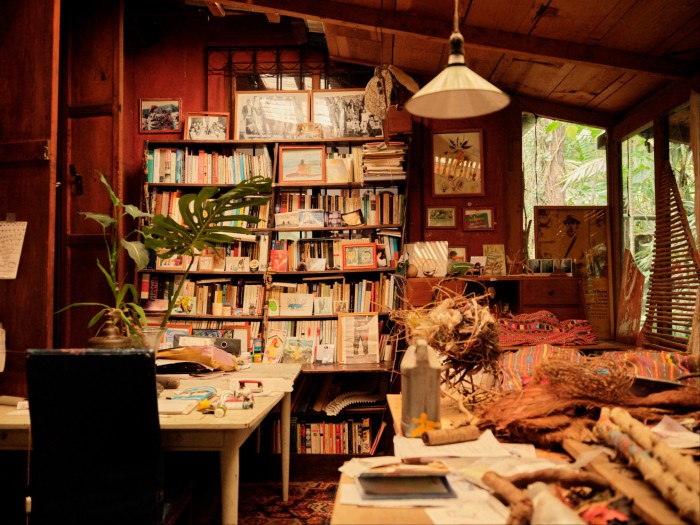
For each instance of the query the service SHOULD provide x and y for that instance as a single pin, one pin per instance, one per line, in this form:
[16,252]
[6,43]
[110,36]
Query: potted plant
[205,218]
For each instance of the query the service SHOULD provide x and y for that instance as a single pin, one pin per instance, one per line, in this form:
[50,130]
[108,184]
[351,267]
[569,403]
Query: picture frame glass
[270,115]
[582,234]
[357,256]
[301,164]
[342,114]
[207,126]
[457,164]
[160,115]
[358,338]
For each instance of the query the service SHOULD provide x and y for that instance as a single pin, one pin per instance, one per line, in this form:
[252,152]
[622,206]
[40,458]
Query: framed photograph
[582,234]
[358,338]
[207,126]
[300,165]
[441,217]
[358,256]
[457,164]
[477,219]
[341,114]
[241,332]
[160,115]
[270,115]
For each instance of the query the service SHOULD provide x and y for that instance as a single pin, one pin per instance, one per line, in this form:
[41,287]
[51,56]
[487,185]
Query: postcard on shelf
[298,350]
[185,305]
[323,306]
[274,345]
[316,264]
[495,259]
[337,170]
[237,264]
[278,260]
[313,218]
[325,354]
[296,304]
[288,219]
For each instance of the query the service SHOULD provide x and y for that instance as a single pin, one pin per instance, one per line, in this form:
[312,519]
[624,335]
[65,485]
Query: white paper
[11,241]
[676,435]
[490,512]
[486,446]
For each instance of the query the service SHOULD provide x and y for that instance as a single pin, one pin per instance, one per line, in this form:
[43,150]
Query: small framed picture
[207,126]
[358,338]
[299,165]
[441,217]
[476,219]
[270,115]
[357,256]
[160,115]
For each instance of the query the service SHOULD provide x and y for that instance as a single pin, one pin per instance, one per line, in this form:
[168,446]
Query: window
[563,165]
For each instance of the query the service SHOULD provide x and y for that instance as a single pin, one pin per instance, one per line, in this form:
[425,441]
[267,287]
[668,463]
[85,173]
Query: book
[198,393]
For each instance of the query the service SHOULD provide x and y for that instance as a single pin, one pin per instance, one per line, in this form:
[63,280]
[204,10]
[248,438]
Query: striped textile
[543,327]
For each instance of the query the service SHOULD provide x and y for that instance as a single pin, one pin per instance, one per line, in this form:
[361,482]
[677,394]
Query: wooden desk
[203,432]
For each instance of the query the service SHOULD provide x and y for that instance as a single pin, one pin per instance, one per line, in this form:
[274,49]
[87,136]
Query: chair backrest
[96,451]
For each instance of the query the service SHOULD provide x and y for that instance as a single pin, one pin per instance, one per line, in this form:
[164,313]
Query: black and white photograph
[207,126]
[263,115]
[342,114]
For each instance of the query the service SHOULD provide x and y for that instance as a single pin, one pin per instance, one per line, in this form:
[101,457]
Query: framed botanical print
[457,164]
[270,115]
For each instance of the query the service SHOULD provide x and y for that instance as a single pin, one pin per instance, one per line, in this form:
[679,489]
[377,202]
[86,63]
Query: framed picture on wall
[160,115]
[270,115]
[342,114]
[206,126]
[457,164]
[477,219]
[441,217]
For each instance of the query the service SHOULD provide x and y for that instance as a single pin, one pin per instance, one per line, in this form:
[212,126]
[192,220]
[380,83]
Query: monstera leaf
[207,219]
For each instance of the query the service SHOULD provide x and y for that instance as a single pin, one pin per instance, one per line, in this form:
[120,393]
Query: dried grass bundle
[596,378]
[460,329]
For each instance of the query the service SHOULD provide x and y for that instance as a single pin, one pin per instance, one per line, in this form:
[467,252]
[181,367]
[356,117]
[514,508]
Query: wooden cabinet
[560,295]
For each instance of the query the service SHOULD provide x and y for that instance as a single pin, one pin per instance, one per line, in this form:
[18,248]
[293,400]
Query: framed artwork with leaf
[457,164]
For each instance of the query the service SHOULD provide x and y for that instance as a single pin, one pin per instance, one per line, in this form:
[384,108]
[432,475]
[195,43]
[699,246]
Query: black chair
[96,454]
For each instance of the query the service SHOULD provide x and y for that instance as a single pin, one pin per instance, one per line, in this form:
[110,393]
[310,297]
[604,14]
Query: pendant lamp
[457,92]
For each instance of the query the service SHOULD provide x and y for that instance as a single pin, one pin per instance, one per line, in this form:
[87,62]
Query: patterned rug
[310,503]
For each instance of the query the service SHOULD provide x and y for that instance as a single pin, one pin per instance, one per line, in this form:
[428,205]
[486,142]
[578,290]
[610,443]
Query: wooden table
[203,432]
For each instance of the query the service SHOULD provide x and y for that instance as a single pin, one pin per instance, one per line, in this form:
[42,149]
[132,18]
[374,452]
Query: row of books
[383,207]
[287,255]
[350,436]
[174,165]
[167,203]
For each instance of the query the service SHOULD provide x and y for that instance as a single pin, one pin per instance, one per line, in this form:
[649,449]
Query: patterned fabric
[515,369]
[544,327]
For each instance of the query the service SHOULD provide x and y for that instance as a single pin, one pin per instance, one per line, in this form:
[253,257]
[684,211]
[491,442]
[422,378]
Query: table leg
[285,419]
[229,459]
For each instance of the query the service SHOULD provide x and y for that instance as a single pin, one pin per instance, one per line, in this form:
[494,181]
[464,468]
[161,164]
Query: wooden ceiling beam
[404,23]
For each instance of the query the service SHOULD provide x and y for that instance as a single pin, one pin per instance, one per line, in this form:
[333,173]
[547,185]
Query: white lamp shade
[457,92]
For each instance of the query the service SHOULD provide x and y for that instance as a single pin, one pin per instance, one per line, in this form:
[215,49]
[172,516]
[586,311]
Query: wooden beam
[405,23]
[215,8]
[562,112]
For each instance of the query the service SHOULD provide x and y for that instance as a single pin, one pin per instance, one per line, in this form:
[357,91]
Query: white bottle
[420,390]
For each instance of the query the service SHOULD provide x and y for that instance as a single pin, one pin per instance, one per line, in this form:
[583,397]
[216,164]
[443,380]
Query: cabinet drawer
[562,313]
[550,291]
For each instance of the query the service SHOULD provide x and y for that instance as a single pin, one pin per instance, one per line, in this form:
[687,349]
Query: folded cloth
[544,327]
[210,356]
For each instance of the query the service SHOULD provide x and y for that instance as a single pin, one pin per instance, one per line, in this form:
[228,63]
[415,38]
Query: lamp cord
[456,17]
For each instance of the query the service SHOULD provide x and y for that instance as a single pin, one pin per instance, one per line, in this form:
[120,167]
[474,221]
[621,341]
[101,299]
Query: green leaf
[135,212]
[137,251]
[105,220]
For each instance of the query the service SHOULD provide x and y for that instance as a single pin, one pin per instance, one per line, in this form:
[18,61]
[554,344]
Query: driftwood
[518,500]
[564,477]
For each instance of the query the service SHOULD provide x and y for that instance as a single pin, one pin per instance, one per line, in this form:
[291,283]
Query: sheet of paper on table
[486,446]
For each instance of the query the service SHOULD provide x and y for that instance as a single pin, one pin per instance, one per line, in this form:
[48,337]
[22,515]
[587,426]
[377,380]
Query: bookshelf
[314,278]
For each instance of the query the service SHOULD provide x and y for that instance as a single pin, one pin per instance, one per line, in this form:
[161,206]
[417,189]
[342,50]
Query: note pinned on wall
[11,241]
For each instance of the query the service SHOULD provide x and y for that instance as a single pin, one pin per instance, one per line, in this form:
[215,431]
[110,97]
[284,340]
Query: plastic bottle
[420,390]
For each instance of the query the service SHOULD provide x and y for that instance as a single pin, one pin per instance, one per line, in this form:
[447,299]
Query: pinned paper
[11,241]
